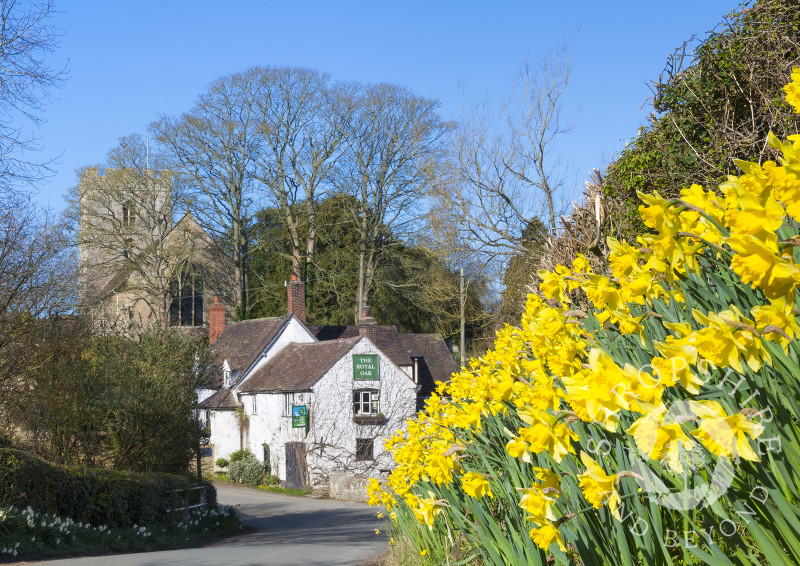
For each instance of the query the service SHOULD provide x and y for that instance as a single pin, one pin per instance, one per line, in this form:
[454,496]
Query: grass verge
[272,488]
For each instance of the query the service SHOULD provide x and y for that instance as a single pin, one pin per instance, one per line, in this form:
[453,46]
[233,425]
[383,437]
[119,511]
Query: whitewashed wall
[269,426]
[224,433]
[333,434]
[203,394]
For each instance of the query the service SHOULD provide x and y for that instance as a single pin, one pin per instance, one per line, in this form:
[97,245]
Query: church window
[128,214]
[186,307]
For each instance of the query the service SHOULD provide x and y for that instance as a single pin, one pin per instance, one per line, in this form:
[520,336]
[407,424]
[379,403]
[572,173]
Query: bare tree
[394,146]
[37,274]
[215,147]
[26,38]
[303,119]
[506,172]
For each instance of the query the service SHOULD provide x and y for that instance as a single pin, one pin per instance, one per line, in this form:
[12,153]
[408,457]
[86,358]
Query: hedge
[96,496]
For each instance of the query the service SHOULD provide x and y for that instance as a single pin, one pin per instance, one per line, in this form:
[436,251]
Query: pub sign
[299,416]
[365,367]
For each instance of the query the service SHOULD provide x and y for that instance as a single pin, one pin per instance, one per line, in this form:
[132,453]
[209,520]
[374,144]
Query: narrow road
[280,530]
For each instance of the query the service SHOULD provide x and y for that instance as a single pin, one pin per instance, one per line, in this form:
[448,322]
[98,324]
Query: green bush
[95,496]
[222,463]
[240,454]
[246,469]
[270,479]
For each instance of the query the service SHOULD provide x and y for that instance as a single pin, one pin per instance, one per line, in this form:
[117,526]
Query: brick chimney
[296,294]
[216,320]
[367,326]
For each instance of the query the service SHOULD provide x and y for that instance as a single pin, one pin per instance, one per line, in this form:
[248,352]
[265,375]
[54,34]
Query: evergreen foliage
[95,496]
[716,101]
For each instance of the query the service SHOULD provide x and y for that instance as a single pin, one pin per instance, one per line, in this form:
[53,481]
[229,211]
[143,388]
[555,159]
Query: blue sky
[130,62]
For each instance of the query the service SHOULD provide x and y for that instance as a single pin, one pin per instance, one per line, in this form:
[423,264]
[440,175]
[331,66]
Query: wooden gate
[296,467]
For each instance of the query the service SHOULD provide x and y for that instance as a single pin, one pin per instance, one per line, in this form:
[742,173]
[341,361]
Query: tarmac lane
[279,530]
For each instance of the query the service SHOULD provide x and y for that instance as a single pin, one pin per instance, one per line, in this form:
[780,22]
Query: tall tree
[215,147]
[506,171]
[26,39]
[395,142]
[303,119]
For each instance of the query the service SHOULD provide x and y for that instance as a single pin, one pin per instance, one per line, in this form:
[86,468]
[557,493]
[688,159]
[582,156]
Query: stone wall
[345,486]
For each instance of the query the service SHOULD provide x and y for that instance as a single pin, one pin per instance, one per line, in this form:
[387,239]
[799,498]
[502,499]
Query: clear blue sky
[131,61]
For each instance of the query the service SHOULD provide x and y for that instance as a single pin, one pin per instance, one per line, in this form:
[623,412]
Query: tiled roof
[242,342]
[386,337]
[222,399]
[298,366]
[437,363]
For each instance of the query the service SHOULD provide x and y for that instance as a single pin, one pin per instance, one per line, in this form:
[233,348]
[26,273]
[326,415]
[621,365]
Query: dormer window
[226,374]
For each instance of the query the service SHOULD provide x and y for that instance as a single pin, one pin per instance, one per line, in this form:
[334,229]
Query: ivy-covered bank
[645,415]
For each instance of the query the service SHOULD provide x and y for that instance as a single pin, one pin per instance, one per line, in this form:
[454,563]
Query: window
[128,214]
[186,289]
[364,449]
[365,402]
[288,401]
[226,376]
[255,404]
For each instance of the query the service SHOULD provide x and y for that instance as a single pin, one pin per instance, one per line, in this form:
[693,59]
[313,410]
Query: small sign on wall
[299,416]
[365,367]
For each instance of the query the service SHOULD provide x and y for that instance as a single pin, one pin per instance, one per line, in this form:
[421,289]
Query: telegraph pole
[463,298]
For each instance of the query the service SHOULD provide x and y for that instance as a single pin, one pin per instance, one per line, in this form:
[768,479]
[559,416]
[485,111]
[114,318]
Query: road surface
[280,530]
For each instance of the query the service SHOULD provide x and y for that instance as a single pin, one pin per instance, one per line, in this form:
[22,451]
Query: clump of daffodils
[635,372]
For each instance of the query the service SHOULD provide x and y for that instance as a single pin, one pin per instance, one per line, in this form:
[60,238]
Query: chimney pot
[367,326]
[296,298]
[216,320]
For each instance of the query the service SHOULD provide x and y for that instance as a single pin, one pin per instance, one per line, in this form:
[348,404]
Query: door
[296,468]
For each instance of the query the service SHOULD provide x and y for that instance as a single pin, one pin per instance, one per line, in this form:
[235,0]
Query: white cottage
[310,401]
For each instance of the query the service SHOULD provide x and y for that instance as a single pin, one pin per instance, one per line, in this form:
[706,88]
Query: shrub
[247,469]
[240,454]
[270,479]
[222,463]
[99,497]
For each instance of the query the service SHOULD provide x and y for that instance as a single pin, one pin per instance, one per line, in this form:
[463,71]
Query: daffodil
[792,90]
[427,510]
[760,262]
[538,500]
[598,487]
[546,535]
[725,435]
[475,485]
[659,439]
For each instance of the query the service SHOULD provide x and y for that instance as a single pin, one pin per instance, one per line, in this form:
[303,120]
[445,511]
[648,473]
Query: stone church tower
[139,264]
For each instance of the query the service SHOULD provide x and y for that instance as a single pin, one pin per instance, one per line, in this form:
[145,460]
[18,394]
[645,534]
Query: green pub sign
[299,416]
[365,367]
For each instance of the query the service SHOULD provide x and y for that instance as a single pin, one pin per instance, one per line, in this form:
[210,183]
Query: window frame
[368,398]
[365,450]
[288,403]
[128,214]
[187,291]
